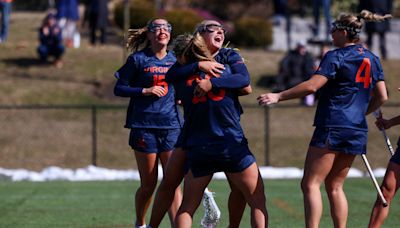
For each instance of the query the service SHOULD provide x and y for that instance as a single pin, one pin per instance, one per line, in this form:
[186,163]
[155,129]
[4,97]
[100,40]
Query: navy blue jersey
[144,70]
[215,117]
[352,73]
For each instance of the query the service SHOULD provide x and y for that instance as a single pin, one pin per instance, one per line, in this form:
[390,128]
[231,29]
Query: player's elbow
[245,91]
[383,99]
[311,88]
[248,89]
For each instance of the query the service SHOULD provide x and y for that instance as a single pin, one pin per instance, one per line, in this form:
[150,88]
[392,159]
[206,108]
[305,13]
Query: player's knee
[388,192]
[305,186]
[333,188]
[257,201]
[148,188]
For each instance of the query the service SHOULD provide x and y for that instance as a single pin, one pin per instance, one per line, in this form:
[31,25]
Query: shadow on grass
[26,62]
[34,62]
[267,81]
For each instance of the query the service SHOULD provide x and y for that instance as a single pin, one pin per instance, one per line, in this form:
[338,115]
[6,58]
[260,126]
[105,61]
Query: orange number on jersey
[366,68]
[213,96]
[159,80]
[216,97]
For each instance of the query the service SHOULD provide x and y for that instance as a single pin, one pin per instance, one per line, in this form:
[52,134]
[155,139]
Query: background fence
[72,136]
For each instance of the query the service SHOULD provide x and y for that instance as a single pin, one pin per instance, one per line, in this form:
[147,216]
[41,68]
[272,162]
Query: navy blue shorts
[153,140]
[396,157]
[207,160]
[179,141]
[349,141]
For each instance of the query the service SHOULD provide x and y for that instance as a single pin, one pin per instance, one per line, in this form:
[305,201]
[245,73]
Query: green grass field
[110,204]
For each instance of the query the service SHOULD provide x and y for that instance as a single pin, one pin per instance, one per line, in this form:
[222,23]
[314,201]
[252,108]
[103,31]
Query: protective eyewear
[212,28]
[157,27]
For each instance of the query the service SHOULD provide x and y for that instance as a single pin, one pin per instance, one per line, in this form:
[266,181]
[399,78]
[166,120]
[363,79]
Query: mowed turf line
[110,204]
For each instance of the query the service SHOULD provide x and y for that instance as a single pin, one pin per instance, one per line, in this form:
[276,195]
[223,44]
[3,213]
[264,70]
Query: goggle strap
[347,28]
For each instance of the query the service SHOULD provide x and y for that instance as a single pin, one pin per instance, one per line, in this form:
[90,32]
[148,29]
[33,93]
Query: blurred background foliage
[237,15]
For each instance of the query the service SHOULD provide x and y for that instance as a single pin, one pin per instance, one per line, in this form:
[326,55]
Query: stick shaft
[371,174]
[388,143]
[378,114]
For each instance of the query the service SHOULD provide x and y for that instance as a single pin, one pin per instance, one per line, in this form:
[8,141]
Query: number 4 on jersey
[366,69]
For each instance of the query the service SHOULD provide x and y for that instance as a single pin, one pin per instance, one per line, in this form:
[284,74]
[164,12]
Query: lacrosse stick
[371,174]
[378,115]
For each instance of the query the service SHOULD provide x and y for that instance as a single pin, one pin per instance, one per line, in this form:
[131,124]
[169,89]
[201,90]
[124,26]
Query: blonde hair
[193,47]
[353,23]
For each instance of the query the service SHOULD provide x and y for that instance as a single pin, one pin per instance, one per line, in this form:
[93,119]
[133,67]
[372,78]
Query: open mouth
[218,39]
[162,37]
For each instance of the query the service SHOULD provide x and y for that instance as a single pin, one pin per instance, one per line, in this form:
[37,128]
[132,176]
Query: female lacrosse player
[152,114]
[347,76]
[391,181]
[212,136]
[174,172]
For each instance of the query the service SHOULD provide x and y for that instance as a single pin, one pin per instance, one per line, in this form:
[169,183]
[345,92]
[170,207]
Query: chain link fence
[34,137]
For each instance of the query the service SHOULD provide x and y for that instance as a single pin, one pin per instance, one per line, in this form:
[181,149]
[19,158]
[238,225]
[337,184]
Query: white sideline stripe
[93,173]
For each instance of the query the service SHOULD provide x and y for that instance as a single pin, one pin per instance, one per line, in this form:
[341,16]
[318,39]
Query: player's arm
[379,96]
[238,78]
[179,72]
[226,81]
[395,121]
[122,87]
[245,91]
[383,123]
[303,89]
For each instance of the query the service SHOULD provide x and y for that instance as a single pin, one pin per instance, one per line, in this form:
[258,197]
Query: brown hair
[353,24]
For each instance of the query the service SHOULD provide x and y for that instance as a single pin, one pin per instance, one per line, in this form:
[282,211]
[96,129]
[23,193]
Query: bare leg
[173,175]
[192,195]
[147,165]
[318,164]
[250,183]
[236,206]
[390,185]
[175,192]
[334,188]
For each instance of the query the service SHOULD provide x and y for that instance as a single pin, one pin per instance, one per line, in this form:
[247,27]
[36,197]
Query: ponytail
[353,24]
[369,16]
[137,39]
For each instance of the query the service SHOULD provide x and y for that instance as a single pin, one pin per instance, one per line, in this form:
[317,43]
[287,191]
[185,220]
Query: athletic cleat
[212,214]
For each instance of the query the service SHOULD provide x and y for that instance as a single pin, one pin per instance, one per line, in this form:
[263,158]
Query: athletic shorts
[396,157]
[179,141]
[230,158]
[349,141]
[153,140]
